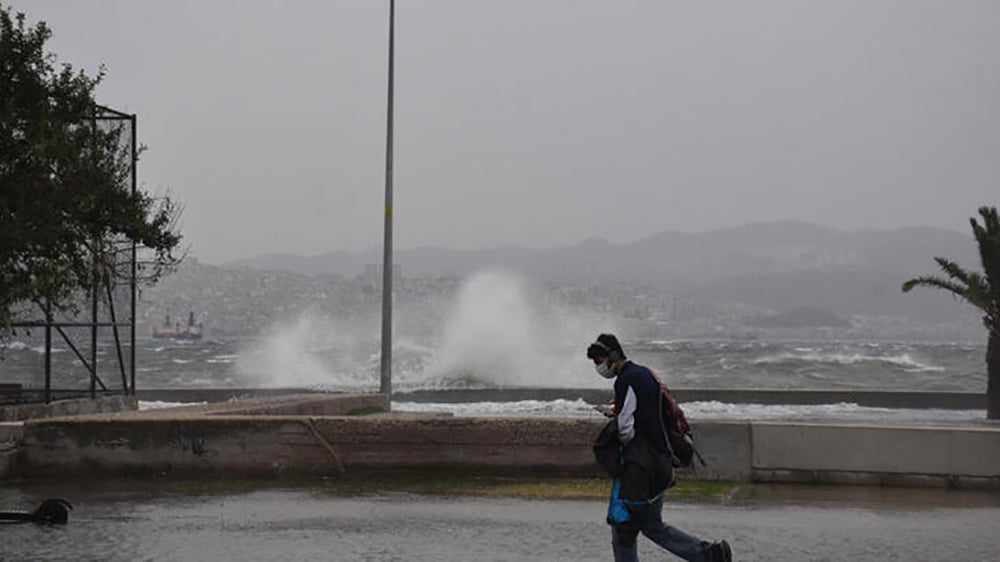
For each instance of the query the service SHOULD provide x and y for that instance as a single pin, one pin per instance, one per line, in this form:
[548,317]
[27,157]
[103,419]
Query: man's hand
[608,411]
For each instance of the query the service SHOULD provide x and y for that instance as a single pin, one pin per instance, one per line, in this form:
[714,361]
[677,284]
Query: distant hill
[780,265]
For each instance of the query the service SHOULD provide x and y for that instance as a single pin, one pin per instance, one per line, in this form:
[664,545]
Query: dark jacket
[637,406]
[645,471]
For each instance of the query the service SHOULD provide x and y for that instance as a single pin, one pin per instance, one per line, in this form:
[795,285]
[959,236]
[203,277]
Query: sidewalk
[773,525]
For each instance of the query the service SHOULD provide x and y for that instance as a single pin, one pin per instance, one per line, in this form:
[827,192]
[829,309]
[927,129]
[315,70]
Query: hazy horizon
[573,243]
[545,123]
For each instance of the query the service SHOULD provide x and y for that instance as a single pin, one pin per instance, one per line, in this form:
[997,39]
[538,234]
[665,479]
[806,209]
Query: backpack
[675,425]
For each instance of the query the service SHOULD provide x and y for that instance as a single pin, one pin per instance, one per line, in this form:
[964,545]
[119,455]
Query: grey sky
[544,122]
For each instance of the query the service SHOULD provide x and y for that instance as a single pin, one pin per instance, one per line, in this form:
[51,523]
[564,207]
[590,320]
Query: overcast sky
[545,122]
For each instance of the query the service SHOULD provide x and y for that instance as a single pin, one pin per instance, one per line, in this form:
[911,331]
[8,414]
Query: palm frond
[953,270]
[936,282]
[971,295]
[978,292]
[991,220]
[988,239]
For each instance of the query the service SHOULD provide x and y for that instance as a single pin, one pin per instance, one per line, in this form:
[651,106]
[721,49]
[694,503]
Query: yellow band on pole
[388,210]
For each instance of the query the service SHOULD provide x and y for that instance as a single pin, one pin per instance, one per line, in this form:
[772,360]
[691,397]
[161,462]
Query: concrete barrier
[11,434]
[835,452]
[308,435]
[8,462]
[726,448]
[11,431]
[277,445]
[75,407]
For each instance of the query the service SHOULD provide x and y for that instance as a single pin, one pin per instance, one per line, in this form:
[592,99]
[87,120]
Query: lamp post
[385,380]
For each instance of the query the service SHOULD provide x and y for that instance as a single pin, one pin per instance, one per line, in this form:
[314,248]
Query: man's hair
[605,346]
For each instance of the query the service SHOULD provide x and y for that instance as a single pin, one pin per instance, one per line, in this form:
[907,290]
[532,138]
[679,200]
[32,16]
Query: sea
[311,361]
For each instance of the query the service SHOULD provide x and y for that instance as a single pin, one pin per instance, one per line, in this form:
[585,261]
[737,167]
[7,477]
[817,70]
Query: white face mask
[604,370]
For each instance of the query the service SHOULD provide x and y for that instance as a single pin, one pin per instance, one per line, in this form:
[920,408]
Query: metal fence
[91,352]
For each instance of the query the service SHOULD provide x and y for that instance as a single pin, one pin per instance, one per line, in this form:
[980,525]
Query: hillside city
[237,302]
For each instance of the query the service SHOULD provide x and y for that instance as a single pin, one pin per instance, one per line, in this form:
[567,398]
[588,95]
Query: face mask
[605,370]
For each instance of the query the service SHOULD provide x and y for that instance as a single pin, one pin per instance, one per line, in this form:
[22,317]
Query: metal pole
[48,350]
[93,326]
[132,281]
[385,383]
[95,263]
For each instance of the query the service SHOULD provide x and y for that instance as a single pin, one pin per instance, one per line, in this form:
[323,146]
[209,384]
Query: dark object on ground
[721,552]
[50,512]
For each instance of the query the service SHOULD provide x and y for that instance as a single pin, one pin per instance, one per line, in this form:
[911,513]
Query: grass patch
[521,486]
[365,410]
[423,483]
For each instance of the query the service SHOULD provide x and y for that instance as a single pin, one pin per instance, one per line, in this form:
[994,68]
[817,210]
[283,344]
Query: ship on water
[177,331]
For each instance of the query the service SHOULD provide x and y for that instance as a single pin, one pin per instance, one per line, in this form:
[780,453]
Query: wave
[903,360]
[521,408]
[704,411]
[21,346]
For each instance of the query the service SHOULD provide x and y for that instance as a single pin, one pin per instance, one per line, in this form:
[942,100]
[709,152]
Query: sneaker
[720,552]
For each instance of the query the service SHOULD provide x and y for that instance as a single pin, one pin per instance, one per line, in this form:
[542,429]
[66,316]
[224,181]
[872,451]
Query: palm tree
[981,290]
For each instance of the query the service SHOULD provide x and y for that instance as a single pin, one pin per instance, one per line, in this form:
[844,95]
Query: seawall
[325,434]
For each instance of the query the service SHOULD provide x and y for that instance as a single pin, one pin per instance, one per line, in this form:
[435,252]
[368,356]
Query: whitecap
[706,411]
[902,360]
[41,349]
[159,404]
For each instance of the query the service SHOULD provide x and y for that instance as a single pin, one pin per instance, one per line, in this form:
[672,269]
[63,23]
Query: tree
[980,289]
[66,205]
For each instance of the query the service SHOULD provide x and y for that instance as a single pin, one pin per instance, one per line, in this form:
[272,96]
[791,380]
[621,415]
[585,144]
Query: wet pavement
[767,523]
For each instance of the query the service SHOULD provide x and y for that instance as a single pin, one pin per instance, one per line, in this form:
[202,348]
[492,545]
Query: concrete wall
[276,436]
[8,462]
[11,434]
[869,453]
[76,407]
[272,446]
[11,431]
[726,448]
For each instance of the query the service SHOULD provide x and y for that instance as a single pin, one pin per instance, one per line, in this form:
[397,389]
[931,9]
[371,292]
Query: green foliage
[981,290]
[365,411]
[66,204]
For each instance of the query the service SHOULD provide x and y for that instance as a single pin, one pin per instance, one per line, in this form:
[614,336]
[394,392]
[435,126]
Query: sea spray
[309,351]
[502,332]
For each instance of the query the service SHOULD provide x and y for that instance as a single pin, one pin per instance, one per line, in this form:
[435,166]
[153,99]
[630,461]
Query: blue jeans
[671,538]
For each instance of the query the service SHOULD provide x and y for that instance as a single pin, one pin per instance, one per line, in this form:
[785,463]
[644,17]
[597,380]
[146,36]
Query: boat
[176,330]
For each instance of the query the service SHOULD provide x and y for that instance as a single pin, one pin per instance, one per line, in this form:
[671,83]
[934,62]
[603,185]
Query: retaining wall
[309,435]
[75,407]
[276,445]
[873,454]
[11,435]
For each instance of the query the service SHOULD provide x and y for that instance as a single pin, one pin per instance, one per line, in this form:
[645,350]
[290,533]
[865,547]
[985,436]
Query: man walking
[640,429]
